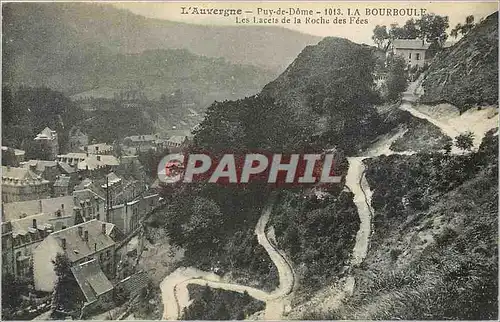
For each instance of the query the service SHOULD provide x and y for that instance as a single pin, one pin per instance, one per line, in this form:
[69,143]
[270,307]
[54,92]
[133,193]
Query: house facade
[126,216]
[413,51]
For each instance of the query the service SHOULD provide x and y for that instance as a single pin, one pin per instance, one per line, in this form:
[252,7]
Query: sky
[456,11]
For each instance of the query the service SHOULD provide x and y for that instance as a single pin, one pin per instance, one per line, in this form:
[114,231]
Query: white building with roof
[48,140]
[91,240]
[412,50]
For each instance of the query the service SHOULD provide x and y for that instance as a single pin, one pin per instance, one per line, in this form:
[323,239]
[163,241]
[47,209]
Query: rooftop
[62,181]
[98,147]
[93,162]
[410,44]
[20,176]
[46,134]
[16,210]
[77,247]
[23,226]
[91,280]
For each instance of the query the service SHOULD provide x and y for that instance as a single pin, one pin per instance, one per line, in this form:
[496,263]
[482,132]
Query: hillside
[77,47]
[319,100]
[434,247]
[466,74]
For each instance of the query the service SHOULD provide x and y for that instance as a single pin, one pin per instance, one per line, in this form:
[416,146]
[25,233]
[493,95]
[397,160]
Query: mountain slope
[320,100]
[62,26]
[466,74]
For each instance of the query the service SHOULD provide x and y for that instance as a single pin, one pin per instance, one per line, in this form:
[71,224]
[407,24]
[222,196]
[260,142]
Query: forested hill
[324,98]
[98,50]
[466,74]
[53,34]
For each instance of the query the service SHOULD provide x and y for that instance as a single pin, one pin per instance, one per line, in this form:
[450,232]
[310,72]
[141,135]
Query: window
[418,56]
[409,56]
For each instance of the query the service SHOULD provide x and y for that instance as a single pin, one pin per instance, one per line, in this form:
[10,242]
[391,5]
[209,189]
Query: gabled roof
[410,44]
[177,139]
[97,161]
[45,134]
[39,165]
[20,176]
[66,168]
[62,181]
[15,210]
[78,248]
[86,194]
[91,280]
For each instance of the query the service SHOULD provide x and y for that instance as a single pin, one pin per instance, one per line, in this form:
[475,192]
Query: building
[32,221]
[89,162]
[142,143]
[412,50]
[52,171]
[19,184]
[91,240]
[98,148]
[176,143]
[127,216]
[119,190]
[63,186]
[89,205]
[93,162]
[94,285]
[72,158]
[48,142]
[8,267]
[16,157]
[77,139]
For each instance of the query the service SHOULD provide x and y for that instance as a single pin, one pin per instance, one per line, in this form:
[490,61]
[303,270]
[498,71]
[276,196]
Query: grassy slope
[437,257]
[467,73]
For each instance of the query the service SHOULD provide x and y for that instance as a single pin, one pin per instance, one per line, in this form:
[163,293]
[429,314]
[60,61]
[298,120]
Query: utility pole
[108,204]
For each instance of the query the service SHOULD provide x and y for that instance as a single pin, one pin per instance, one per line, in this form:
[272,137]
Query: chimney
[62,209]
[80,231]
[34,223]
[103,228]
[86,235]
[40,208]
[63,242]
[95,247]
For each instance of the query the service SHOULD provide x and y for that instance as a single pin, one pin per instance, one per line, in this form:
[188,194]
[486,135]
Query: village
[88,204]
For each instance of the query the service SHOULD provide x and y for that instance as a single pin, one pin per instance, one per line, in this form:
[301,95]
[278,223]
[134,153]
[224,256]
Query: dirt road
[175,294]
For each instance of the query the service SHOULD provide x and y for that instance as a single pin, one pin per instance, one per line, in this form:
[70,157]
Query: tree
[433,28]
[465,141]
[396,80]
[66,293]
[463,29]
[380,36]
[447,146]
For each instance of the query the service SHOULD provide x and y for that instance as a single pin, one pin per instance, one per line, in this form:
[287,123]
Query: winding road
[175,294]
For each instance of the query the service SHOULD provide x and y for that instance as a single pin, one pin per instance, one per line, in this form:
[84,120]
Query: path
[447,118]
[175,294]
